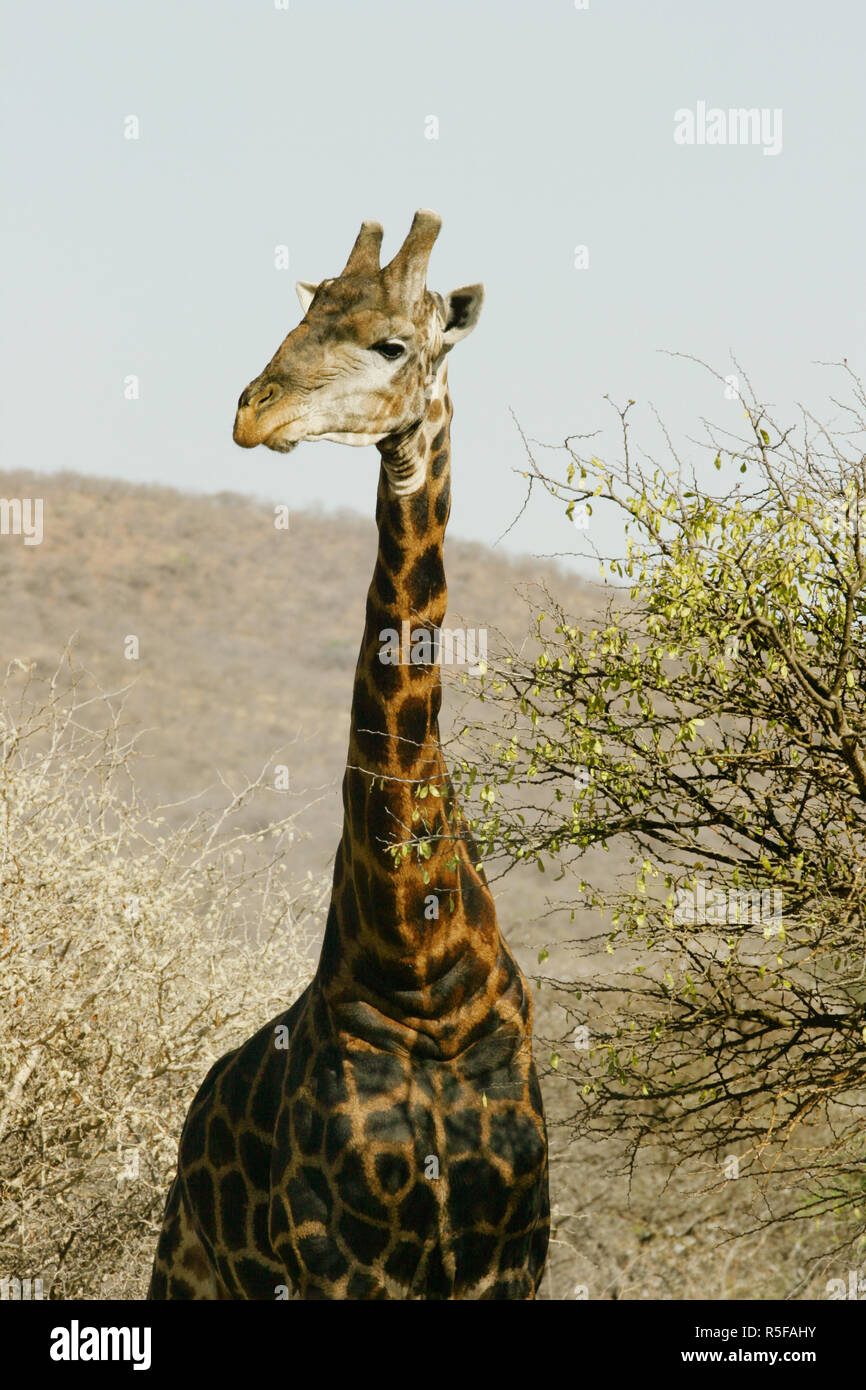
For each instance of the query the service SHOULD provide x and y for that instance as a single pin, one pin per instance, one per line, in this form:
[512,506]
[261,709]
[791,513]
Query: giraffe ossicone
[384,1137]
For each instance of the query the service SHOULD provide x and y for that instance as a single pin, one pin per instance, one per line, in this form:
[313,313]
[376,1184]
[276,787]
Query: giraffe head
[360,367]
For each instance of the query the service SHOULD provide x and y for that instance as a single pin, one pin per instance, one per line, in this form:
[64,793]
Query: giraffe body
[342,1139]
[385,1137]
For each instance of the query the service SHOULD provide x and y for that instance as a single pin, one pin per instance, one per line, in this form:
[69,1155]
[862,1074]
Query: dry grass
[131,957]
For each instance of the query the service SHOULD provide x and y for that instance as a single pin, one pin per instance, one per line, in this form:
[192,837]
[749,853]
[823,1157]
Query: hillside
[247,635]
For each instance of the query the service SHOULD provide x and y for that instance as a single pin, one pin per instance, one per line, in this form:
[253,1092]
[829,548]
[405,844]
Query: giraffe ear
[305,290]
[462,308]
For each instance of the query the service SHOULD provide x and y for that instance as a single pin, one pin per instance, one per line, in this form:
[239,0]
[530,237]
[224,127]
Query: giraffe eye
[390,348]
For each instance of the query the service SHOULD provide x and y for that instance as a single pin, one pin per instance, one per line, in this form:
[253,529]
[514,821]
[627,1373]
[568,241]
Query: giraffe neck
[398,668]
[407,935]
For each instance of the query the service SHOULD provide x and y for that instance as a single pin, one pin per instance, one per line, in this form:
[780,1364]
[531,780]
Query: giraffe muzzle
[256,425]
[254,417]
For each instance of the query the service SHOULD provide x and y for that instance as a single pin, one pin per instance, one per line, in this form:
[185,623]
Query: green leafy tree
[712,718]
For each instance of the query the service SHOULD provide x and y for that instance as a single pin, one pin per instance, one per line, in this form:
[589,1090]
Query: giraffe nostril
[259,396]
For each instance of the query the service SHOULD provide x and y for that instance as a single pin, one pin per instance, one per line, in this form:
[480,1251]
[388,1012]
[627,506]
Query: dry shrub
[131,957]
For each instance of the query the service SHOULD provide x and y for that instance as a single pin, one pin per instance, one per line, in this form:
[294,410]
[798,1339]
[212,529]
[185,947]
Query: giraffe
[385,1136]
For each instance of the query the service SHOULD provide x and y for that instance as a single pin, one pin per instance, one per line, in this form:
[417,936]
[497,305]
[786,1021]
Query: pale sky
[262,126]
